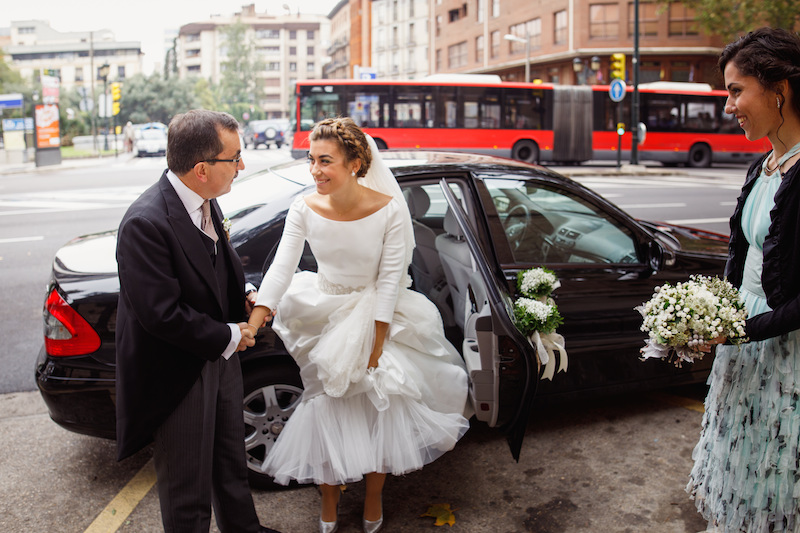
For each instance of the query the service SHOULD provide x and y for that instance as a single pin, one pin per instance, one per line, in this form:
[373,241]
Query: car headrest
[418,201]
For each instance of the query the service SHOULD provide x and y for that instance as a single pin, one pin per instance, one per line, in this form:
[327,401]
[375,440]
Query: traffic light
[618,66]
[115,96]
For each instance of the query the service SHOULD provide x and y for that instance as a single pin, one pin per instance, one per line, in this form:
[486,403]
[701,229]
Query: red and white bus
[685,123]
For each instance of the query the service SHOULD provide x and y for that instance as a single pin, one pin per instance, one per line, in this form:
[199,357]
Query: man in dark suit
[180,321]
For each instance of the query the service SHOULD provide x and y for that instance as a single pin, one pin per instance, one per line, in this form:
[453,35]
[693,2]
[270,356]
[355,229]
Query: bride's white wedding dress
[351,421]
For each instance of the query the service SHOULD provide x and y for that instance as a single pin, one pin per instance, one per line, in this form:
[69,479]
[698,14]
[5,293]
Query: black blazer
[170,319]
[780,276]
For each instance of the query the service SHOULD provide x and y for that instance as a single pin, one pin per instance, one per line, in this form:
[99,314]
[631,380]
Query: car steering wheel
[515,224]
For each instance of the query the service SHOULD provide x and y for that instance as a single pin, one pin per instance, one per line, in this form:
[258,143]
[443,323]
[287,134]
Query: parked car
[150,140]
[478,221]
[266,132]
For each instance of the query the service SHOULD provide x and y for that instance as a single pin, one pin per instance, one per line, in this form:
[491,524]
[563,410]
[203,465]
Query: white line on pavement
[22,239]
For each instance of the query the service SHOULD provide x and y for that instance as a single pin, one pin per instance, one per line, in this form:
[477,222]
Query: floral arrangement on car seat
[536,316]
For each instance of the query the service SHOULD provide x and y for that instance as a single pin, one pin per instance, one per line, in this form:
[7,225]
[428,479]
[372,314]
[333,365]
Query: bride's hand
[373,360]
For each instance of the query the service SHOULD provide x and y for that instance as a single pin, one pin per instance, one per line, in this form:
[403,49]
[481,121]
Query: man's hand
[248,337]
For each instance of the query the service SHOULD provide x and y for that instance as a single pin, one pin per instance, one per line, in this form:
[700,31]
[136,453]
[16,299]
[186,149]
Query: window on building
[438,25]
[479,9]
[272,65]
[310,50]
[292,50]
[310,35]
[457,55]
[26,29]
[682,20]
[121,72]
[495,51]
[78,74]
[531,29]
[438,60]
[268,34]
[292,66]
[411,35]
[292,34]
[310,66]
[648,19]
[603,21]
[479,49]
[458,13]
[193,69]
[411,9]
[394,10]
[194,53]
[495,8]
[560,27]
[395,37]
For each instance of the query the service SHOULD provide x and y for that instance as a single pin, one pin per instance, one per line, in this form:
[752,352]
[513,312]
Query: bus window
[369,109]
[662,113]
[319,103]
[697,114]
[481,107]
[412,107]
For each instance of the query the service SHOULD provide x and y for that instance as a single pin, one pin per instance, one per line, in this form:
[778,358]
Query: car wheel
[271,394]
[700,156]
[380,144]
[278,145]
[526,151]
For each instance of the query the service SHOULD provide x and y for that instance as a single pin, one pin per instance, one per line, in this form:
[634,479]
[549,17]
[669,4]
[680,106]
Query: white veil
[381,179]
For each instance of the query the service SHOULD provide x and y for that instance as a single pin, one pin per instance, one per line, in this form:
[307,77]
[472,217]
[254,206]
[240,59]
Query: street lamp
[578,67]
[527,42]
[103,73]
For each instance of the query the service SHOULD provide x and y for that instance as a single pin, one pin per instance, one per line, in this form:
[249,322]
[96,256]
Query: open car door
[502,364]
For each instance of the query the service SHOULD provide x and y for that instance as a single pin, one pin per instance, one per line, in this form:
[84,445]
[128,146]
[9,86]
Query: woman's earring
[353,173]
[778,99]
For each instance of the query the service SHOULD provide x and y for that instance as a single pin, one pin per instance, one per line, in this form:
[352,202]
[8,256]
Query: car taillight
[65,331]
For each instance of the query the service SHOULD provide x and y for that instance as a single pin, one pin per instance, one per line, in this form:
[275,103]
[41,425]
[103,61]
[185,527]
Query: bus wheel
[380,144]
[526,151]
[700,156]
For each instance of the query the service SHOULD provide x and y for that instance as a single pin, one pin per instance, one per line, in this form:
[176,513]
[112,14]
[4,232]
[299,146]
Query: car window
[545,224]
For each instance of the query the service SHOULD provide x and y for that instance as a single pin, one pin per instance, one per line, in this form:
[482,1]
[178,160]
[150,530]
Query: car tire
[380,144]
[271,394]
[525,150]
[699,156]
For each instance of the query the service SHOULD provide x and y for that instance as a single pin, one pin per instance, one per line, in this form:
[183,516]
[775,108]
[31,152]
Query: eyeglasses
[222,160]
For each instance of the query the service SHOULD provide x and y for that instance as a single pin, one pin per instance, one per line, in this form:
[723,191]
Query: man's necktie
[207,225]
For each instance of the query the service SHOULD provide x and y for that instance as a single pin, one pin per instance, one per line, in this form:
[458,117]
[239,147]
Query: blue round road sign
[617,90]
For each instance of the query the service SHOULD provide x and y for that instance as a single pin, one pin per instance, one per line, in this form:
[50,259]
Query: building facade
[289,46]
[400,39]
[75,58]
[339,49]
[559,39]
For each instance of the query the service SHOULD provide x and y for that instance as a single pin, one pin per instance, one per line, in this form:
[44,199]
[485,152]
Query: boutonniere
[226,225]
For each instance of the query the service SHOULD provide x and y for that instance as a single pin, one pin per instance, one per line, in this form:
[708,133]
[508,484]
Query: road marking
[117,511]
[651,206]
[22,239]
[696,221]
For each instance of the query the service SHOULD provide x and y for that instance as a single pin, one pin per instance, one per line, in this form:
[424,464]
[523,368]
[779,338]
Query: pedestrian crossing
[31,203]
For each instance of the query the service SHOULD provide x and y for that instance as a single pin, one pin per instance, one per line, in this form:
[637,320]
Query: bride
[384,391]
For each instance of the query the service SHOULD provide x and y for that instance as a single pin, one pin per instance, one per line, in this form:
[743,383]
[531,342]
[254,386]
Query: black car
[509,216]
[266,132]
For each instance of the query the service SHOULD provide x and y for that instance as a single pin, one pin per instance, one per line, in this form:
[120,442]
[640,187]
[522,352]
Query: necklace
[771,170]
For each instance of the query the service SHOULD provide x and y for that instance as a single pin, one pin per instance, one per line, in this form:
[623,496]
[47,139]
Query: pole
[635,107]
[92,82]
[619,137]
[105,111]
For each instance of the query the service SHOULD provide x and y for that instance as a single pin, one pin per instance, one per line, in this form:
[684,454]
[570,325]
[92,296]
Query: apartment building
[400,38]
[74,57]
[291,46]
[570,41]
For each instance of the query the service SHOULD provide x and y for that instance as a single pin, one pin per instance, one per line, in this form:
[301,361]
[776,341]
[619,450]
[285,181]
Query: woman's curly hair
[350,138]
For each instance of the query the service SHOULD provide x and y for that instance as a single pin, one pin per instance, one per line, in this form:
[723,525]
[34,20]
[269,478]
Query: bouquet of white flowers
[536,315]
[681,320]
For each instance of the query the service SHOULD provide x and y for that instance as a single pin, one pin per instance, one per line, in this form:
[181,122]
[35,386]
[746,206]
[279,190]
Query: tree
[240,70]
[153,99]
[732,18]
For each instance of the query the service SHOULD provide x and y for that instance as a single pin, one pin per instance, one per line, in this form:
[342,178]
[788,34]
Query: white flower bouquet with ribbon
[537,317]
[681,320]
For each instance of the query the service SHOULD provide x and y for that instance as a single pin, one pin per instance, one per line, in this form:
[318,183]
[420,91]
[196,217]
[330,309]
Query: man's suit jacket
[170,319]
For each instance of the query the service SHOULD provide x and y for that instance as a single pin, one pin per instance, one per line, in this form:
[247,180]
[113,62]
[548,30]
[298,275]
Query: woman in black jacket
[746,475]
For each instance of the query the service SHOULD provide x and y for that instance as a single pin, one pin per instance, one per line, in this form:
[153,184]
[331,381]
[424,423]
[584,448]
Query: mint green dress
[746,475]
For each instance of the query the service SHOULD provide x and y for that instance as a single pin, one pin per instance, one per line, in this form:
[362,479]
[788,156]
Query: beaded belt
[328,287]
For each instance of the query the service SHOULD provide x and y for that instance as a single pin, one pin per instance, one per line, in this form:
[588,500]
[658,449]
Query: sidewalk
[30,166]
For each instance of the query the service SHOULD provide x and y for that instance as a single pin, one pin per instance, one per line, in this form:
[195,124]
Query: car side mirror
[658,257]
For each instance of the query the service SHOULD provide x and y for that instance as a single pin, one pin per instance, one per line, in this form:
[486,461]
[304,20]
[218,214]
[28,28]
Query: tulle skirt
[746,475]
[395,419]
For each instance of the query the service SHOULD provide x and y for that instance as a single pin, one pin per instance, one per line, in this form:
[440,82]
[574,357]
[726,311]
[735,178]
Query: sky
[142,20]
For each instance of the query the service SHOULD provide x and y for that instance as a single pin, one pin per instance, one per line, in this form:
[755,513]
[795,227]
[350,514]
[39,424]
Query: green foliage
[240,81]
[154,99]
[732,18]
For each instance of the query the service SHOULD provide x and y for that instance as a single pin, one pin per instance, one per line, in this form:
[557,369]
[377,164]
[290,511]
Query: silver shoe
[328,527]
[373,526]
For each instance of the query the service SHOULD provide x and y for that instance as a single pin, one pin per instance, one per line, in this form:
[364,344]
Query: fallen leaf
[442,513]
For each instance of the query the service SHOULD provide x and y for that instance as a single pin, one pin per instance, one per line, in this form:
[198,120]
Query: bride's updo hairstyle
[348,136]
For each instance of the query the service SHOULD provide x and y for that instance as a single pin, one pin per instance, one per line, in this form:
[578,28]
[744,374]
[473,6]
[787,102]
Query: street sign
[617,90]
[11,101]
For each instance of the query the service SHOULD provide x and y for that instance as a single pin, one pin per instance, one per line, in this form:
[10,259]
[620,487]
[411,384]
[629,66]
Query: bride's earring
[778,99]
[353,173]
